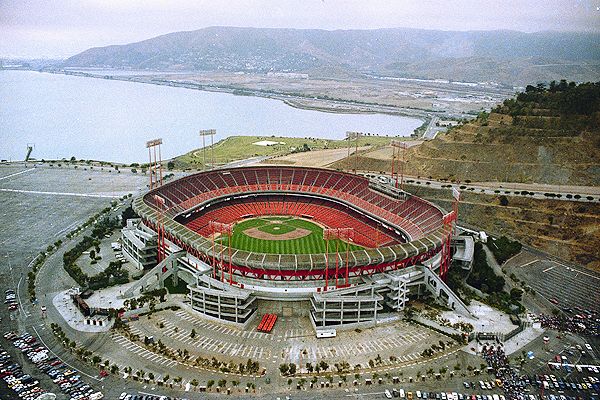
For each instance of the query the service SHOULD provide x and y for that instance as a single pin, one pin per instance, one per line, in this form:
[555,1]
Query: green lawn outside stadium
[310,244]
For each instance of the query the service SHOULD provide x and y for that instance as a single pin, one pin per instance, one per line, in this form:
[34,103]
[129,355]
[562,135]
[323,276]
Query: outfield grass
[312,243]
[242,147]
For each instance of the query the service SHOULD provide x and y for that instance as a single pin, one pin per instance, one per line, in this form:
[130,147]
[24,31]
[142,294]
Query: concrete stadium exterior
[343,289]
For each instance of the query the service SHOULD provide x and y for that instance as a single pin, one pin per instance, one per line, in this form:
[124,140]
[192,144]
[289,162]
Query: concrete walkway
[489,319]
[71,314]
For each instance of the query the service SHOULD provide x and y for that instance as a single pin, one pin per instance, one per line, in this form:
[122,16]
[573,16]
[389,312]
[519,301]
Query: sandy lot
[318,158]
[385,153]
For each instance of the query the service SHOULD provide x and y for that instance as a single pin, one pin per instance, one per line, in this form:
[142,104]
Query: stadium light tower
[155,163]
[345,235]
[397,144]
[449,221]
[224,229]
[160,227]
[353,136]
[30,147]
[204,133]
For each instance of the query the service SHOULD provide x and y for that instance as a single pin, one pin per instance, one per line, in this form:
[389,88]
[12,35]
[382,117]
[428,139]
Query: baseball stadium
[349,246]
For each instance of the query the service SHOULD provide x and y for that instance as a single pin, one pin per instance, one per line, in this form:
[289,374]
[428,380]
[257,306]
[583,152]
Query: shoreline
[333,106]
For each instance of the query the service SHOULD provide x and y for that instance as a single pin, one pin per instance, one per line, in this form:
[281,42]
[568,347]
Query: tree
[193,333]
[210,384]
[323,364]
[309,367]
[151,376]
[127,213]
[170,165]
[516,294]
[284,368]
[292,369]
[194,382]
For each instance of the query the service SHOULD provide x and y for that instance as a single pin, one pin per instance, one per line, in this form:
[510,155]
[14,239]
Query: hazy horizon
[55,29]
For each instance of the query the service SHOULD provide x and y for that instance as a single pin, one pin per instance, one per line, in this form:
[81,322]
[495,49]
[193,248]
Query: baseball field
[283,235]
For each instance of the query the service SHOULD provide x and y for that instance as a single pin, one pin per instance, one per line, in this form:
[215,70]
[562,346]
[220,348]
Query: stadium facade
[402,244]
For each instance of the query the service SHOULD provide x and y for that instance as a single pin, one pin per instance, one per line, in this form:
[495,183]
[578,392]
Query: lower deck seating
[414,215]
[366,232]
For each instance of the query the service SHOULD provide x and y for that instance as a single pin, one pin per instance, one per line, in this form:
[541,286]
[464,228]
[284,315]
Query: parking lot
[39,206]
[27,386]
[399,339]
[565,286]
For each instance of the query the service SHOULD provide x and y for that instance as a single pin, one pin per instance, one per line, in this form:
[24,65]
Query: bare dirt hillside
[539,137]
[567,230]
[545,135]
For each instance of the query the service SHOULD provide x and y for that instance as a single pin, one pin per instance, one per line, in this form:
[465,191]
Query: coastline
[337,111]
[334,106]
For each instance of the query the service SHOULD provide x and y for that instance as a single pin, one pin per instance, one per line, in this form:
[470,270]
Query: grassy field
[312,243]
[241,147]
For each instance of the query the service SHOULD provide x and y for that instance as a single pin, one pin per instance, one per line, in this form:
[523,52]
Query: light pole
[155,163]
[204,133]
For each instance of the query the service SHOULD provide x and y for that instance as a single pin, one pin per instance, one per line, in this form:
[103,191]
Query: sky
[50,28]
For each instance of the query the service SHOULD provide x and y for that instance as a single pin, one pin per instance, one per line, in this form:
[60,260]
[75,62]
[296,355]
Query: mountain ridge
[399,52]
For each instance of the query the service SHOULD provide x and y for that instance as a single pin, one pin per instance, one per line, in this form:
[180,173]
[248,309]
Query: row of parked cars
[23,385]
[460,396]
[409,395]
[586,383]
[67,379]
[11,300]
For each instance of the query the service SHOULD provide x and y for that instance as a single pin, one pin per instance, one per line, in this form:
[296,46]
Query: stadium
[350,246]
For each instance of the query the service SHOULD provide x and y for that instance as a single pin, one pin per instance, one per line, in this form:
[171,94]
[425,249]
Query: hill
[234,148]
[545,135]
[502,56]
[568,230]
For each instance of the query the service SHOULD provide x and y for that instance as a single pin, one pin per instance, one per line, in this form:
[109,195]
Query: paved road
[246,162]
[432,130]
[575,193]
